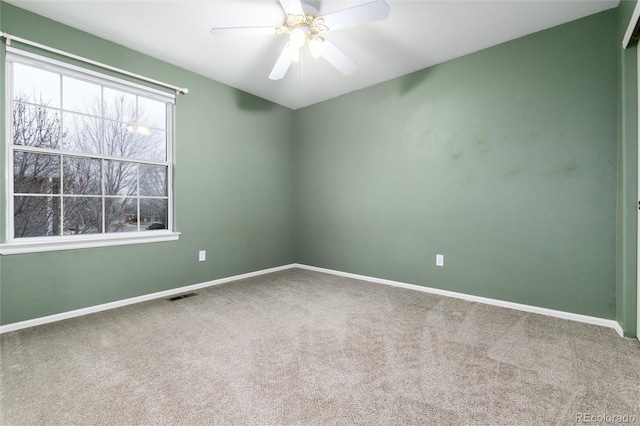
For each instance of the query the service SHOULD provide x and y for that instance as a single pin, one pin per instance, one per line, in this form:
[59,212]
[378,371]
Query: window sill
[82,242]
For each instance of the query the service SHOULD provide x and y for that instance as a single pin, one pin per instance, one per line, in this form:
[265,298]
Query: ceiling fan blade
[242,31]
[335,57]
[292,7]
[282,66]
[362,14]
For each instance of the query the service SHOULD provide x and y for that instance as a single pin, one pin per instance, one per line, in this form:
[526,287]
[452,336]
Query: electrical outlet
[439,259]
[202,255]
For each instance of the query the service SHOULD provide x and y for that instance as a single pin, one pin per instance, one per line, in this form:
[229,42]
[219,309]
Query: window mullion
[104,200]
[138,195]
[61,197]
[59,145]
[102,162]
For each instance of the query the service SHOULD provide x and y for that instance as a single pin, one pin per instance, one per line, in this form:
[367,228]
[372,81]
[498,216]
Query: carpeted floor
[299,347]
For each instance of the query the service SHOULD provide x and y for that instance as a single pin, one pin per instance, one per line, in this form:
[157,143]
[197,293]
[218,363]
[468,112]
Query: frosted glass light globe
[297,38]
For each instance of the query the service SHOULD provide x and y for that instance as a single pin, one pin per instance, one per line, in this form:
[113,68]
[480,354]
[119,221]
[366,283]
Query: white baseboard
[167,293]
[511,305]
[119,303]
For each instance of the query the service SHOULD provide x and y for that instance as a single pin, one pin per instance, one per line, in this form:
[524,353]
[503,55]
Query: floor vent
[182,296]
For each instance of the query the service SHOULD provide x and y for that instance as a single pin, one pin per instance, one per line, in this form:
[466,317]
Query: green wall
[626,282]
[233,186]
[503,160]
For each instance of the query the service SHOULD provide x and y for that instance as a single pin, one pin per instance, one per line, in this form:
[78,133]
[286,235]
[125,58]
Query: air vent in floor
[182,296]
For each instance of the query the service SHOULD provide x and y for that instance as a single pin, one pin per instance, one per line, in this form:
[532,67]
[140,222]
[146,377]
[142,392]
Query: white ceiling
[418,34]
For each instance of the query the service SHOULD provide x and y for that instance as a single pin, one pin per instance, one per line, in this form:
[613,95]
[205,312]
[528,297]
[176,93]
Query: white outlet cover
[202,255]
[439,259]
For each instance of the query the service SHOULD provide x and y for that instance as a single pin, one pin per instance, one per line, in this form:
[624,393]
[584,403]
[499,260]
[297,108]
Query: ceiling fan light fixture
[303,29]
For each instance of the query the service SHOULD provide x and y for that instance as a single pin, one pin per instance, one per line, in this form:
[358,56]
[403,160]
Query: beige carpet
[300,347]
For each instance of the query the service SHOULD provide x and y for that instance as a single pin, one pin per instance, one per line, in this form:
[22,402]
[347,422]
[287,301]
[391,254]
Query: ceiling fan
[304,27]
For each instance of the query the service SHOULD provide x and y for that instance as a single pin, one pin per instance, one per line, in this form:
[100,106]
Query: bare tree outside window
[36,126]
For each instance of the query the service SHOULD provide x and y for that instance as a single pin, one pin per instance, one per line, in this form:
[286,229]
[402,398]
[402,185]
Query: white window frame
[12,245]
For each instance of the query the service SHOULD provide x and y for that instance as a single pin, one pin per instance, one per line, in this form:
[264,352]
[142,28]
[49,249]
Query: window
[88,155]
